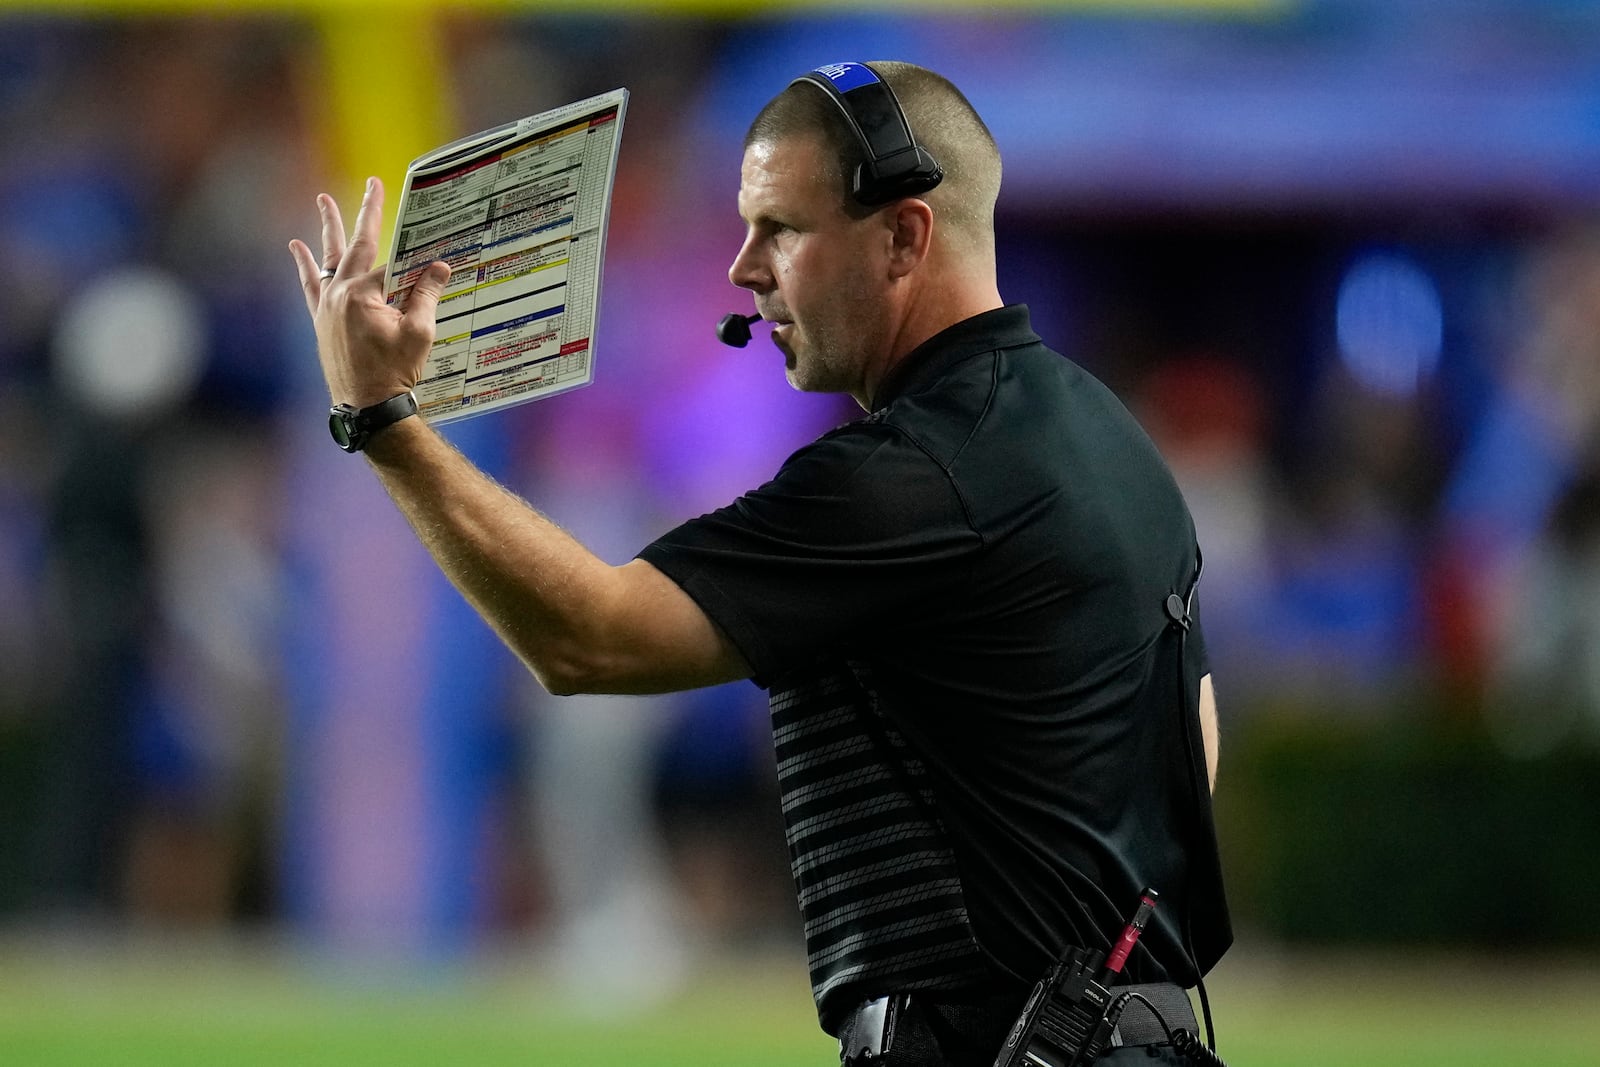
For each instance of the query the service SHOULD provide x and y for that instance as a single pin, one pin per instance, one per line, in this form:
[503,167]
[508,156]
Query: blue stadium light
[1390,323]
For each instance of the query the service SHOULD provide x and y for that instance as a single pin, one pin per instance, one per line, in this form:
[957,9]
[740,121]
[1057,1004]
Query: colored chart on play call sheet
[520,213]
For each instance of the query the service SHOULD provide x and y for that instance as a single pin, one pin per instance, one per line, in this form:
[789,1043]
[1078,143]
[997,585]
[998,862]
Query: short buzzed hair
[942,120]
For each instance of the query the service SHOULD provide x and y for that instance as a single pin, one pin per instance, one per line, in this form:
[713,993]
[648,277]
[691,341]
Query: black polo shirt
[957,605]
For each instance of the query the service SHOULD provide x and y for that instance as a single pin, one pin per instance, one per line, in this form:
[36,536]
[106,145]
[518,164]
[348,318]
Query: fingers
[363,250]
[340,259]
[424,298]
[306,266]
[333,249]
[418,323]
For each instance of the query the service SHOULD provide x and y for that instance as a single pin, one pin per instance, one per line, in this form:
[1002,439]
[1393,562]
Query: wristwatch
[352,427]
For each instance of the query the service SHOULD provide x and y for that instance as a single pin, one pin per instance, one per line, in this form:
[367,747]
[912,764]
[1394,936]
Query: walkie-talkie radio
[1071,1013]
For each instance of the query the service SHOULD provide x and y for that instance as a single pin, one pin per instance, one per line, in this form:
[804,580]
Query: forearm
[580,624]
[536,586]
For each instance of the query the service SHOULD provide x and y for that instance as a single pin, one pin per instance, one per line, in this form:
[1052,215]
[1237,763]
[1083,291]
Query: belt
[925,1028]
[921,1029]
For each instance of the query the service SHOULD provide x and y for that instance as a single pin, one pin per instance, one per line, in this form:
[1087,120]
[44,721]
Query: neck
[930,308]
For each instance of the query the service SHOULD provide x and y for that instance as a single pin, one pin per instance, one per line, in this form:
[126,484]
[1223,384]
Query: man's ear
[910,235]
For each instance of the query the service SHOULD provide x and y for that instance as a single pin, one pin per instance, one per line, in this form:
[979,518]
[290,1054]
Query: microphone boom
[734,329]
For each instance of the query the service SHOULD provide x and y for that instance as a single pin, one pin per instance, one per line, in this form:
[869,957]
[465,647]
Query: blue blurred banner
[1327,100]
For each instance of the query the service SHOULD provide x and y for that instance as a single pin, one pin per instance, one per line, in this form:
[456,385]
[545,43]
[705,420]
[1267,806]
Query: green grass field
[216,1004]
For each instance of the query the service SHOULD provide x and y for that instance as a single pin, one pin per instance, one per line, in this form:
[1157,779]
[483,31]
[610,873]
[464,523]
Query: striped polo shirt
[876,877]
[957,605]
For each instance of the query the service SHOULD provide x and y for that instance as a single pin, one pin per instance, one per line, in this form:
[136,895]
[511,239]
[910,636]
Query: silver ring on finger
[328,272]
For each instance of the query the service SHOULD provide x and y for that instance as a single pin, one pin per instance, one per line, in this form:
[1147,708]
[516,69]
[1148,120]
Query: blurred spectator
[207,746]
[1547,690]
[1342,628]
[590,782]
[1541,545]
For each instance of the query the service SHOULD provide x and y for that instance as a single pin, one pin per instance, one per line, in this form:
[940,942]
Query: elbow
[566,670]
[557,685]
[563,678]
[554,663]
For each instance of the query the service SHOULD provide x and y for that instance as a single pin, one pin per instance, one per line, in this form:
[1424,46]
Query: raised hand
[370,350]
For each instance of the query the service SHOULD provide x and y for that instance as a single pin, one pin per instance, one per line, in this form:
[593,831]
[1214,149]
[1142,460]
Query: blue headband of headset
[896,165]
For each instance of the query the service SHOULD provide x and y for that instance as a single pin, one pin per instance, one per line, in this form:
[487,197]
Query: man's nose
[748,270]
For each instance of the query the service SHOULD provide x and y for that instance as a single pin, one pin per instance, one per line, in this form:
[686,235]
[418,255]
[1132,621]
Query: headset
[896,165]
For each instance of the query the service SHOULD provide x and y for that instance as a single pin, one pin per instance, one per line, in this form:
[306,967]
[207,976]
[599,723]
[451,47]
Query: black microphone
[734,329]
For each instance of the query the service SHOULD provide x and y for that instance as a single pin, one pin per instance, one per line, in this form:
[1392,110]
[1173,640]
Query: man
[969,606]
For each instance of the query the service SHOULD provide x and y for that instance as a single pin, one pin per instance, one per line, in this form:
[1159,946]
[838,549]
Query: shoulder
[940,417]
[996,406]
[874,473]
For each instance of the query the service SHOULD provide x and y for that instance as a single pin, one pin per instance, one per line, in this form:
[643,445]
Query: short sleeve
[1197,640]
[857,533]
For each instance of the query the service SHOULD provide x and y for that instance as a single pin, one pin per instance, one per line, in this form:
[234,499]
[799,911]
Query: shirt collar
[988,331]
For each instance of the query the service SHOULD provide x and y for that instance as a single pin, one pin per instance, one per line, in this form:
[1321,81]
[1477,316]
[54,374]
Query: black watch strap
[352,427]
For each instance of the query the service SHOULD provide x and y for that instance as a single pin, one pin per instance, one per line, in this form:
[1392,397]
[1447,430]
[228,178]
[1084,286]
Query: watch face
[339,427]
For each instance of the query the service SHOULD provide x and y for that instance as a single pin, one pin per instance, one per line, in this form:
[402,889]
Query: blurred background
[270,792]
